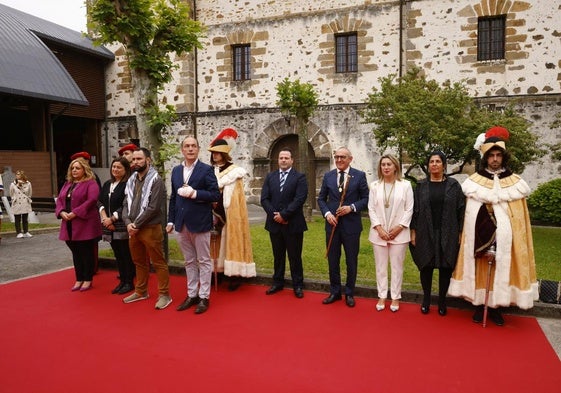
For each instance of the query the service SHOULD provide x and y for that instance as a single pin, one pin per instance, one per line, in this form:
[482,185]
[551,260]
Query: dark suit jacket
[357,194]
[195,214]
[288,203]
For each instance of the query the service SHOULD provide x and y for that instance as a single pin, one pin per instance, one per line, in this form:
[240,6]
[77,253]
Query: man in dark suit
[343,195]
[193,189]
[283,196]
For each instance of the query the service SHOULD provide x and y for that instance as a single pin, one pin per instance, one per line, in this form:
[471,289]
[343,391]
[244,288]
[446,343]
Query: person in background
[231,221]
[127,150]
[390,207]
[1,192]
[438,217]
[283,196]
[142,214]
[20,192]
[193,190]
[110,206]
[343,195]
[76,205]
[497,231]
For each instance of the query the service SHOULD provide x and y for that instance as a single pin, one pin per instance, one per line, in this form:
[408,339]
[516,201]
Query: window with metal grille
[346,53]
[491,38]
[242,62]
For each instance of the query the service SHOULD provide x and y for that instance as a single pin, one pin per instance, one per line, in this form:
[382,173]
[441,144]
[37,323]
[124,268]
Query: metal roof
[28,67]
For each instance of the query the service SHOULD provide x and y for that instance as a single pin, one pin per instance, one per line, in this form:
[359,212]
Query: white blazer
[401,213]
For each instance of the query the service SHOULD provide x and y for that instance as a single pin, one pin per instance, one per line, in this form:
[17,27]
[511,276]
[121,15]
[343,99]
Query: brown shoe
[202,306]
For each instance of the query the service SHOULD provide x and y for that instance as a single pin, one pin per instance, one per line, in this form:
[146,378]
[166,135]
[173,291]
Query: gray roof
[28,68]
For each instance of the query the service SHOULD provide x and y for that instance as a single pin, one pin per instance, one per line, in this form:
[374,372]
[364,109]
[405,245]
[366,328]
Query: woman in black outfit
[438,216]
[110,205]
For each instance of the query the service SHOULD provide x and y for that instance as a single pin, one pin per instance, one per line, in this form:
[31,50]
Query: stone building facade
[296,39]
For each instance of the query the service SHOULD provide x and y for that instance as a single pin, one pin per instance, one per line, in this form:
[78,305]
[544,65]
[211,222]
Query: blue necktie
[341,180]
[282,179]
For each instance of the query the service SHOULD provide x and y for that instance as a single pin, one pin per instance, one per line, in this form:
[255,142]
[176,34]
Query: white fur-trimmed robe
[235,257]
[513,279]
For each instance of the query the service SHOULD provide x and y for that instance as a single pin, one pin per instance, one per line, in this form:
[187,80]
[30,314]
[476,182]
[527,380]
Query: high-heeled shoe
[76,286]
[86,287]
[394,307]
[381,305]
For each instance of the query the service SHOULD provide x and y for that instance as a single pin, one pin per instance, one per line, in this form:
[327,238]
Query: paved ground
[43,253]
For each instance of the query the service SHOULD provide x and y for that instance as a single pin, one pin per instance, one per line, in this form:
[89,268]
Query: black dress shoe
[299,293]
[496,316]
[350,300]
[117,288]
[188,302]
[126,288]
[331,298]
[425,309]
[442,310]
[478,315]
[274,289]
[202,306]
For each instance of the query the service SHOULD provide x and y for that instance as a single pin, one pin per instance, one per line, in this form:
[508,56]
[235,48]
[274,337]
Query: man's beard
[140,168]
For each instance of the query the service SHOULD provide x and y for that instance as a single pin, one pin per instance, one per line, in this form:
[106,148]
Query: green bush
[545,203]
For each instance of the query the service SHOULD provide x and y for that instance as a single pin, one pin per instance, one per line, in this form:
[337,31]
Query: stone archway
[281,133]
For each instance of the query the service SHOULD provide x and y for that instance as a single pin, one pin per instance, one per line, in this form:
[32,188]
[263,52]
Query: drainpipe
[401,36]
[52,162]
[196,78]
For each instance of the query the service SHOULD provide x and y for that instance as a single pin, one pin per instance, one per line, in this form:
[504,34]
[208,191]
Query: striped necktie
[282,179]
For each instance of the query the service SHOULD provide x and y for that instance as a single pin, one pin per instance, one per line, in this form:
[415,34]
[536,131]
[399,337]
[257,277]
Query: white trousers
[198,265]
[395,254]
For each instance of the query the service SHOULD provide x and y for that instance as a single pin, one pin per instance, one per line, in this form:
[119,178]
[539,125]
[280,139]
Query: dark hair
[288,149]
[145,151]
[437,153]
[506,157]
[225,156]
[125,163]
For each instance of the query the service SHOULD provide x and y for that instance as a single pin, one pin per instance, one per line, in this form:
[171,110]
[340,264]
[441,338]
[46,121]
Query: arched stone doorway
[280,134]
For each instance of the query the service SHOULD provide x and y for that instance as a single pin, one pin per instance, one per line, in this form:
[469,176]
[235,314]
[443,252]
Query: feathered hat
[225,141]
[495,136]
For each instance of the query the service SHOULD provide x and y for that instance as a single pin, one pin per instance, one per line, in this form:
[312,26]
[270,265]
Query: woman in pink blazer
[390,207]
[76,205]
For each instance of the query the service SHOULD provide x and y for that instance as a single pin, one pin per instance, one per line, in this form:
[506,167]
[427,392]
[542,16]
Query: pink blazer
[401,212]
[83,203]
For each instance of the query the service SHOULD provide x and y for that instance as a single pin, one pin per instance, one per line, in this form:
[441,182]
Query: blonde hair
[395,162]
[88,173]
[21,175]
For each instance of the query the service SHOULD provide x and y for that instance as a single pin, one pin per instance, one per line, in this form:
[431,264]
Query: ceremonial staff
[490,254]
[343,193]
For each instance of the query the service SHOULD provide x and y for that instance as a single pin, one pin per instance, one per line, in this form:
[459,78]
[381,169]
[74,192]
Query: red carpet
[52,340]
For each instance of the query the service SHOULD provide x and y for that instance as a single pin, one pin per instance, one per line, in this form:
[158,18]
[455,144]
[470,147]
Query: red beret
[84,154]
[130,146]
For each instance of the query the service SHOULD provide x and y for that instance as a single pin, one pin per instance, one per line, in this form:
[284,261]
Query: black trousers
[283,244]
[83,258]
[124,260]
[21,220]
[444,276]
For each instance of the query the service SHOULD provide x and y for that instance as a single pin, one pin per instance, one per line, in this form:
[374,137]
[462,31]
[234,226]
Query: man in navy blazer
[343,195]
[285,221]
[193,190]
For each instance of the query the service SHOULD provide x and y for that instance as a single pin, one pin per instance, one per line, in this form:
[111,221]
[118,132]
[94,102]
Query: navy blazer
[195,214]
[289,203]
[357,193]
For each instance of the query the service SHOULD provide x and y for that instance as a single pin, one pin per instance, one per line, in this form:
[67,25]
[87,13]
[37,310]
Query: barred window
[241,62]
[346,53]
[491,38]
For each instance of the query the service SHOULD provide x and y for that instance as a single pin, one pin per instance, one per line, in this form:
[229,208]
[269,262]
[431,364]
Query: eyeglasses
[340,157]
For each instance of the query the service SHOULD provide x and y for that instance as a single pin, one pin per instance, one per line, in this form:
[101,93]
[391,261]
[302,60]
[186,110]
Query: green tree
[150,31]
[556,148]
[415,116]
[300,100]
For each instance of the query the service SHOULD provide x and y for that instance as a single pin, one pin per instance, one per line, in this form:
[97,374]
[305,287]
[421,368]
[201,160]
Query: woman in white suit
[390,207]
